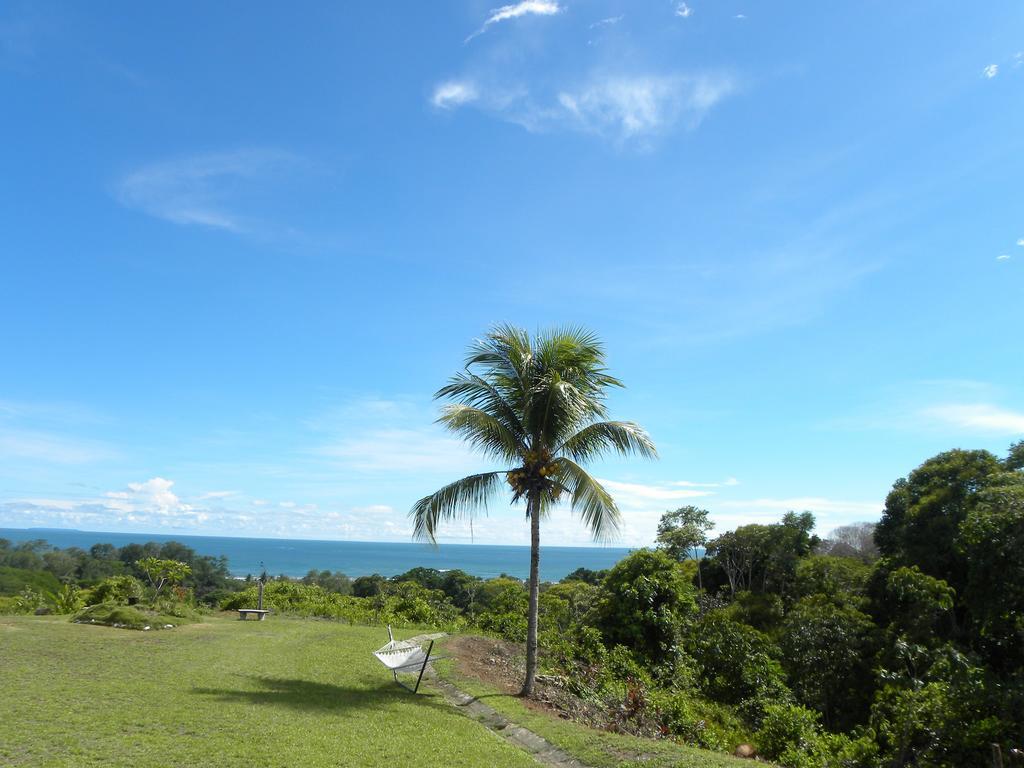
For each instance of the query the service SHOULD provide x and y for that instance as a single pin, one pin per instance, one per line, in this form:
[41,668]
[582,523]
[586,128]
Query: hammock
[404,656]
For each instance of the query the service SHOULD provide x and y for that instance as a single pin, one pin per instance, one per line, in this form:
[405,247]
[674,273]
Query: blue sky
[241,245]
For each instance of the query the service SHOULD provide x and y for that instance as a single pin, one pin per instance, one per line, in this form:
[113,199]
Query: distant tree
[537,405]
[368,586]
[854,540]
[163,572]
[764,557]
[682,532]
[841,579]
[1015,459]
[586,575]
[332,582]
[431,578]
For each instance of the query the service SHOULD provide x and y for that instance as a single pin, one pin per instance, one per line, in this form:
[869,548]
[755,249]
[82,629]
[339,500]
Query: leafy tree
[924,511]
[764,557]
[919,607]
[503,605]
[332,582]
[162,572]
[646,603]
[992,541]
[682,532]
[735,662]
[431,578]
[842,579]
[368,586]
[1015,459]
[538,405]
[586,575]
[825,649]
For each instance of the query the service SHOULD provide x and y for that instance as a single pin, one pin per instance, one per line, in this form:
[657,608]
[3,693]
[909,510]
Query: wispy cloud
[1003,257]
[684,11]
[516,11]
[1020,242]
[978,417]
[639,494]
[627,107]
[205,190]
[453,93]
[608,22]
[622,108]
[990,71]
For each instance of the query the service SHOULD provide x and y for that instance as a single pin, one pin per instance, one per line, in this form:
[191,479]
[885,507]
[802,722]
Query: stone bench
[243,613]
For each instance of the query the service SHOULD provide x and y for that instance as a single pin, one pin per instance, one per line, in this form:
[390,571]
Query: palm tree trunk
[533,506]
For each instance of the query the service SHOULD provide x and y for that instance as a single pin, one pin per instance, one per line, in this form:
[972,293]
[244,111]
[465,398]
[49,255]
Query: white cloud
[454,93]
[991,71]
[627,107]
[684,11]
[518,10]
[203,190]
[1003,257]
[153,496]
[1020,242]
[609,22]
[740,16]
[637,494]
[978,417]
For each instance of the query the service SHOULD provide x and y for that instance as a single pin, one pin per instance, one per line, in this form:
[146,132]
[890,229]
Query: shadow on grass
[323,697]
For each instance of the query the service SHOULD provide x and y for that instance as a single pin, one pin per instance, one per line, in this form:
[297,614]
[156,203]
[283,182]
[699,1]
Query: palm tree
[537,406]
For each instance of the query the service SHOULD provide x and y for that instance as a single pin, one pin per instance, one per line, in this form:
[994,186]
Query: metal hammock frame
[405,656]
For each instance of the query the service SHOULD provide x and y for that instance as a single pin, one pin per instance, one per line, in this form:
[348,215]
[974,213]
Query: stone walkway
[542,750]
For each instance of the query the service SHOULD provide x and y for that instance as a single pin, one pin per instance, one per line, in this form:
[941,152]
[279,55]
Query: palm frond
[483,431]
[589,499]
[622,437]
[477,392]
[458,500]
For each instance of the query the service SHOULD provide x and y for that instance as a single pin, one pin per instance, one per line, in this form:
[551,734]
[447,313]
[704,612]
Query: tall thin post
[259,598]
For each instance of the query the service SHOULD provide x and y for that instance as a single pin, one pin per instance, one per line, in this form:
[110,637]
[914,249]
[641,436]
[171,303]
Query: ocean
[296,557]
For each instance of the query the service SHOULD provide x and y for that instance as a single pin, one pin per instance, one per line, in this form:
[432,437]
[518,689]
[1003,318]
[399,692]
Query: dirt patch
[502,666]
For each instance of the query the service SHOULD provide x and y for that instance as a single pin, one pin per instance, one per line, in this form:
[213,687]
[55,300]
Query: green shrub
[786,727]
[67,599]
[127,617]
[117,589]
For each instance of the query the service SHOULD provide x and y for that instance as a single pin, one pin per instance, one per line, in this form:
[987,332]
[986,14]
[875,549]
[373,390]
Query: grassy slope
[221,693]
[599,749]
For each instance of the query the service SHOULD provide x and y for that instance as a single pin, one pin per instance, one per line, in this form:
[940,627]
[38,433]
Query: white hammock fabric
[399,654]
[404,656]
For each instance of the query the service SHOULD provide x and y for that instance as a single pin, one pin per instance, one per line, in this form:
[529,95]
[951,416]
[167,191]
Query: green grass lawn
[221,693]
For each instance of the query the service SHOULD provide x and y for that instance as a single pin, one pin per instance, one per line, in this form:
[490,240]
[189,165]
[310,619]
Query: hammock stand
[405,656]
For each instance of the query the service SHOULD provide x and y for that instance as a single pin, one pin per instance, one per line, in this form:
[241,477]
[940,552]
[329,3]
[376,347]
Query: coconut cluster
[536,474]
